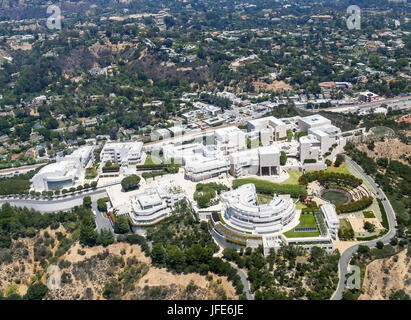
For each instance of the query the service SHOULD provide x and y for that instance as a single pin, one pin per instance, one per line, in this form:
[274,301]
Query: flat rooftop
[315,120]
[269,150]
[265,121]
[330,213]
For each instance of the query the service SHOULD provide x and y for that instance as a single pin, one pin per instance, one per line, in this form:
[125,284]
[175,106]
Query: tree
[175,258]
[400,295]
[130,182]
[158,253]
[101,204]
[88,235]
[36,291]
[363,249]
[283,158]
[339,160]
[112,290]
[87,202]
[369,226]
[371,145]
[121,225]
[105,237]
[380,245]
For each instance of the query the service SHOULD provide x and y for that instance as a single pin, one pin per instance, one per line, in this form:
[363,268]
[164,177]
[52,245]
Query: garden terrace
[226,231]
[111,168]
[307,220]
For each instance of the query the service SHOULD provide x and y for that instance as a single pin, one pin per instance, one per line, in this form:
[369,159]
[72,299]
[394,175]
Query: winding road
[244,280]
[61,203]
[347,254]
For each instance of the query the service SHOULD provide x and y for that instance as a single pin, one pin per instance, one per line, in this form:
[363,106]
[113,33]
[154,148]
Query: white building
[180,152]
[310,148]
[122,153]
[230,139]
[331,219]
[243,211]
[323,141]
[246,223]
[153,205]
[259,161]
[313,121]
[206,164]
[268,129]
[65,172]
[368,96]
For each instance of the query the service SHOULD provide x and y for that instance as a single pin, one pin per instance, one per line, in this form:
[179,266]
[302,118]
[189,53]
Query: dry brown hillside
[86,272]
[386,276]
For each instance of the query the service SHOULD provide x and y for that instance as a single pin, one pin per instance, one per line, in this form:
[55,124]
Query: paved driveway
[101,221]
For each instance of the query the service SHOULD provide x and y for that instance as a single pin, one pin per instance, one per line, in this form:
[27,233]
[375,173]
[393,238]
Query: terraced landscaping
[263,198]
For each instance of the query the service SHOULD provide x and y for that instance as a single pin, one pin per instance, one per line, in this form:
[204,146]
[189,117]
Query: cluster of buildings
[322,140]
[228,150]
[256,151]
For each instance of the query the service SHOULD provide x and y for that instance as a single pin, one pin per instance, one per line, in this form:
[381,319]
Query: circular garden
[336,196]
[338,188]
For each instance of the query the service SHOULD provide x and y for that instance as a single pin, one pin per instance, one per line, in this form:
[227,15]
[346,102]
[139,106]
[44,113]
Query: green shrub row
[327,176]
[271,188]
[354,206]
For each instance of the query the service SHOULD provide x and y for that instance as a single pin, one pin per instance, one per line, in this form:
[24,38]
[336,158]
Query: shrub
[283,158]
[36,291]
[101,204]
[329,176]
[310,160]
[355,205]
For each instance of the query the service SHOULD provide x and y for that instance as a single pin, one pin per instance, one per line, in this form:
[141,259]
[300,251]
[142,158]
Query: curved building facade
[244,212]
[246,223]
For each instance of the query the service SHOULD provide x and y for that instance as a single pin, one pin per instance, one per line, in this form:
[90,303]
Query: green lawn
[293,179]
[345,224]
[368,214]
[300,205]
[307,220]
[149,160]
[342,169]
